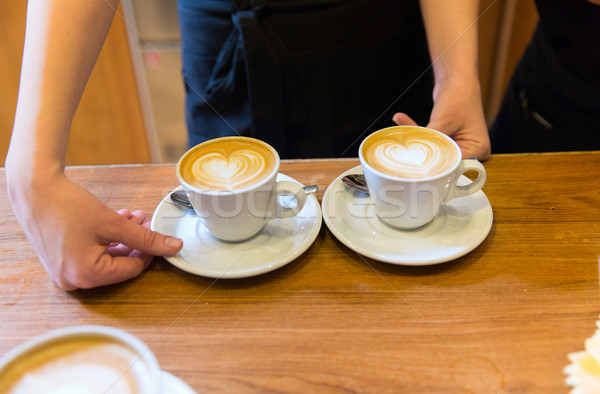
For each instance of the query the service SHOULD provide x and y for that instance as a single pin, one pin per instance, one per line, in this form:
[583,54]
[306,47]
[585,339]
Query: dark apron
[310,77]
[546,107]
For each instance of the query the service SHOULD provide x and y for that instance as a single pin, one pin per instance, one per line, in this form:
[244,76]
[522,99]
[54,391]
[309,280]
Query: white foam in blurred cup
[81,359]
[411,171]
[232,184]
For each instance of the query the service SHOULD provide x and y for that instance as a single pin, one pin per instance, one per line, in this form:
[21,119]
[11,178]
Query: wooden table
[500,319]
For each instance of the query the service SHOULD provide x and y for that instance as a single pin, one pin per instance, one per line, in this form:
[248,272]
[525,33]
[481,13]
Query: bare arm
[452,37]
[62,42]
[76,237]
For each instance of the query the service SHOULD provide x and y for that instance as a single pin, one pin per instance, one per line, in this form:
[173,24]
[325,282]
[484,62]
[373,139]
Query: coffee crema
[410,152]
[229,163]
[77,365]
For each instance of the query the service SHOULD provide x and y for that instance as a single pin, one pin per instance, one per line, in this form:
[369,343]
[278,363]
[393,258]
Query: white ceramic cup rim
[236,191]
[62,334]
[364,162]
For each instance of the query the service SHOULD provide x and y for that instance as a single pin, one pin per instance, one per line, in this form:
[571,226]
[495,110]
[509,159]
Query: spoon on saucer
[356,181]
[180,198]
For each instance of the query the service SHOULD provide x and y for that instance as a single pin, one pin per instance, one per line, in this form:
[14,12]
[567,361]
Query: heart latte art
[411,153]
[230,163]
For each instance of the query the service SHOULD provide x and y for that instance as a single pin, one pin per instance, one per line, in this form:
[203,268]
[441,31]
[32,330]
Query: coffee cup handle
[464,190]
[287,189]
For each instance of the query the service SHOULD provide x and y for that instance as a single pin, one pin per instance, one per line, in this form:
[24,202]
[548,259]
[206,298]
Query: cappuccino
[411,171]
[77,364]
[410,152]
[229,163]
[232,185]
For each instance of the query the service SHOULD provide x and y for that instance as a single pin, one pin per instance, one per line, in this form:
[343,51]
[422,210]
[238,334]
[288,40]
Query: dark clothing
[553,99]
[310,77]
[572,30]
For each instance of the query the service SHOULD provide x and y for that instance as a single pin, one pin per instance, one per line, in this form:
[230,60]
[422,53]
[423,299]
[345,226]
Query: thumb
[139,237]
[402,119]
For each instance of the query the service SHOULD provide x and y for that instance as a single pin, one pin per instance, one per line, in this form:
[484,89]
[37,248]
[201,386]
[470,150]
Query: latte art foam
[411,153]
[83,365]
[230,163]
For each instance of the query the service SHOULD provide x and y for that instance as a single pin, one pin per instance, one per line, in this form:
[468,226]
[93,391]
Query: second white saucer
[462,224]
[279,242]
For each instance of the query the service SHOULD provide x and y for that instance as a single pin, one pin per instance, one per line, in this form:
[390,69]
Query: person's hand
[81,242]
[458,112]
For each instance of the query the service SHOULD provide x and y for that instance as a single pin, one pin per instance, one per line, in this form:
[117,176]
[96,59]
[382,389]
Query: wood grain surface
[501,319]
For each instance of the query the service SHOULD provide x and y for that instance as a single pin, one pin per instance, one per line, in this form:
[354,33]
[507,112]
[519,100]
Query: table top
[500,319]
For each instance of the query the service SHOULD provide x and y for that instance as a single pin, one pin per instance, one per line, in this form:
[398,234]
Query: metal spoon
[180,198]
[356,181]
[310,189]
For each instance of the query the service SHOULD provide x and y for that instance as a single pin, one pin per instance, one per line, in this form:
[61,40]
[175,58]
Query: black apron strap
[264,78]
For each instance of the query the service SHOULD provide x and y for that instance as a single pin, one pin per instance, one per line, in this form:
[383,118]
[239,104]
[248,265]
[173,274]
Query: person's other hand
[81,242]
[458,112]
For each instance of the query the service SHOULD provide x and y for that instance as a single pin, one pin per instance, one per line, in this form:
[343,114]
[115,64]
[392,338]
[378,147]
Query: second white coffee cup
[411,170]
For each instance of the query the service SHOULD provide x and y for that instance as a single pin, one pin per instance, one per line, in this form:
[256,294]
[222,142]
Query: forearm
[81,242]
[451,28]
[62,42]
[452,37]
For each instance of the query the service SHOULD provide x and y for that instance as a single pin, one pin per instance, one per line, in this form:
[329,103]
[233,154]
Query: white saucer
[173,385]
[462,224]
[279,242]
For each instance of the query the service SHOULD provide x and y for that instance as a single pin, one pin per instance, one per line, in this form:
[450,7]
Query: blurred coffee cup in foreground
[81,359]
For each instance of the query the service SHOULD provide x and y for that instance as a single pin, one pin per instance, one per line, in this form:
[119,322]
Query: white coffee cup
[410,171]
[232,184]
[81,359]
